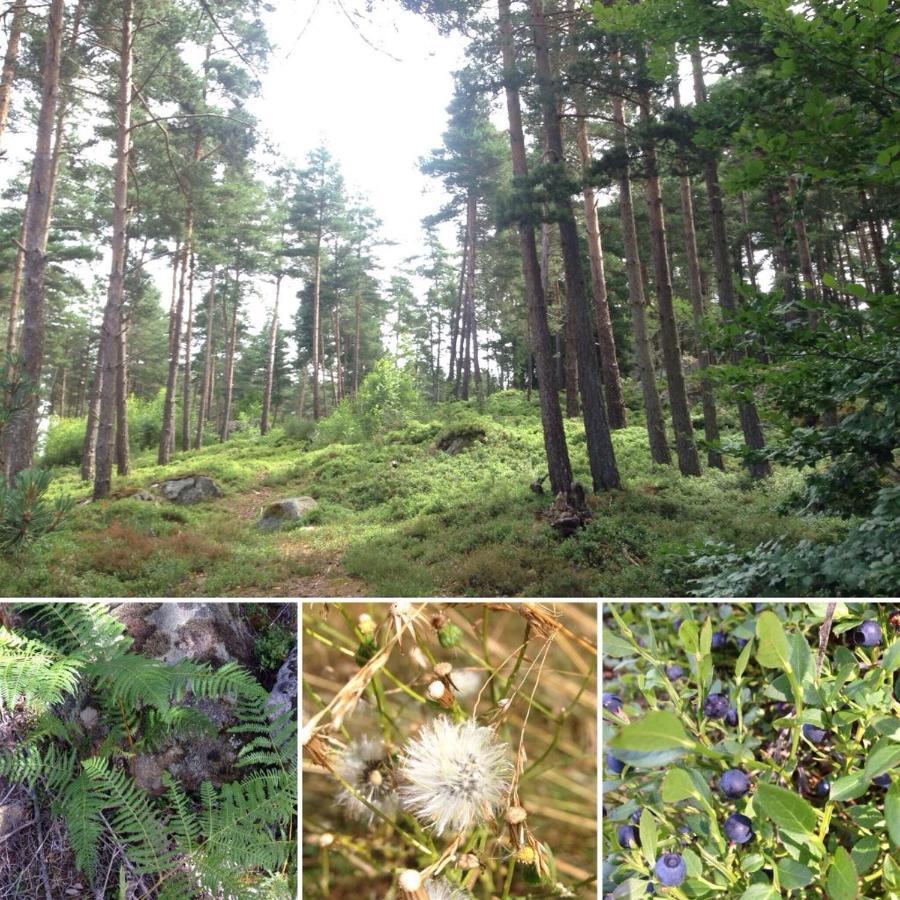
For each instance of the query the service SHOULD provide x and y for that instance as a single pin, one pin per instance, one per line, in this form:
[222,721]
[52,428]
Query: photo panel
[449,750]
[750,750]
[148,751]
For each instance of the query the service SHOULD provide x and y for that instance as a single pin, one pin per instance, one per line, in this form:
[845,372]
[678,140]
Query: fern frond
[272,743]
[86,629]
[133,680]
[133,819]
[31,669]
[28,765]
[81,803]
[229,680]
[184,826]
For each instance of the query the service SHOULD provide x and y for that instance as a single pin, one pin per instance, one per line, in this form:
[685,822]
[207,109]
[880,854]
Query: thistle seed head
[454,776]
[365,764]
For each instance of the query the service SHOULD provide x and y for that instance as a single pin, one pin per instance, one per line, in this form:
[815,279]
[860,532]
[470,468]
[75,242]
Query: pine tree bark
[112,315]
[10,59]
[205,383]
[123,461]
[186,384]
[167,431]
[270,360]
[317,325]
[750,424]
[89,449]
[685,448]
[560,470]
[656,429]
[22,434]
[698,309]
[609,362]
[601,455]
[571,370]
[811,287]
[456,312]
[230,350]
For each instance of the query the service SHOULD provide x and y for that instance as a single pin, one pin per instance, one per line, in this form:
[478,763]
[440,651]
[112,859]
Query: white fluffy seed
[410,880]
[436,690]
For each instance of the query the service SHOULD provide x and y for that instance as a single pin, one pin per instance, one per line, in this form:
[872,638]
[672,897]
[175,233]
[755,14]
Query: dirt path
[329,579]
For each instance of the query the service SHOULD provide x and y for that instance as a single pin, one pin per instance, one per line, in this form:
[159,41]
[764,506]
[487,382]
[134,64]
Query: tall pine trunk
[685,448]
[601,456]
[270,360]
[750,424]
[656,429]
[317,325]
[23,430]
[112,315]
[698,309]
[230,350]
[206,380]
[123,461]
[560,470]
[10,59]
[89,448]
[186,385]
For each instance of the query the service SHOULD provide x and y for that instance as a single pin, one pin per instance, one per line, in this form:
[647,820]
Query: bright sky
[375,94]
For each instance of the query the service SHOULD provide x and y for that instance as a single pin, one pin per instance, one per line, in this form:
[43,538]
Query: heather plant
[759,766]
[450,751]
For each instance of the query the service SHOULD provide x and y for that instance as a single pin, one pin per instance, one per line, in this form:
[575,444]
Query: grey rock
[277,515]
[146,496]
[12,815]
[283,697]
[190,489]
[89,716]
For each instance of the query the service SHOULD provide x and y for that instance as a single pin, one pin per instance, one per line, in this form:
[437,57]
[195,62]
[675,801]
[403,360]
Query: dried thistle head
[365,764]
[454,776]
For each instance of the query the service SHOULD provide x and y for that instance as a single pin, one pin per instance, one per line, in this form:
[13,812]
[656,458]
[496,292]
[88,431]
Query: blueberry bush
[752,751]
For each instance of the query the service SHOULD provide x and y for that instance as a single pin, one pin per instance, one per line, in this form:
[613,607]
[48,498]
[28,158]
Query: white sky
[379,108]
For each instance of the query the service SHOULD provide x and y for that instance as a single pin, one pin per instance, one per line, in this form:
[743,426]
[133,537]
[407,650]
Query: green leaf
[761,892]
[843,882]
[677,785]
[631,889]
[773,651]
[742,660]
[692,863]
[892,813]
[793,875]
[802,661]
[785,808]
[647,830]
[687,634]
[658,730]
[613,645]
[706,637]
[884,756]
[864,853]
[752,863]
[849,787]
[891,659]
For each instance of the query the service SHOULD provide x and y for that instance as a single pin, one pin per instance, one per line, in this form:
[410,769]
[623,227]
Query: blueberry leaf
[741,664]
[677,785]
[865,852]
[849,787]
[785,808]
[658,730]
[647,830]
[884,756]
[761,892]
[773,651]
[793,875]
[843,882]
[892,813]
[891,659]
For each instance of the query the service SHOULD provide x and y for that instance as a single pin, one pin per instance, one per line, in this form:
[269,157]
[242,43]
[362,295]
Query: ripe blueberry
[883,781]
[734,783]
[741,643]
[731,716]
[628,837]
[716,706]
[674,672]
[823,788]
[636,815]
[868,634]
[614,765]
[670,869]
[611,702]
[814,735]
[718,640]
[677,624]
[738,828]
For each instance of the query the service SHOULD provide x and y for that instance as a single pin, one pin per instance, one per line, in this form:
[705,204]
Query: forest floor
[399,517]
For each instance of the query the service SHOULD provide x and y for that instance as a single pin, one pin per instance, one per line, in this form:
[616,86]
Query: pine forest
[448,298]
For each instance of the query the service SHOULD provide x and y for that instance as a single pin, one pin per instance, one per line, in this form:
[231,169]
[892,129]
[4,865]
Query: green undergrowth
[406,518]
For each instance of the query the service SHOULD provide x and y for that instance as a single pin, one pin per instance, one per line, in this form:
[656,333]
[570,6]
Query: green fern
[229,680]
[31,670]
[272,743]
[133,819]
[27,765]
[134,681]
[82,629]
[81,804]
